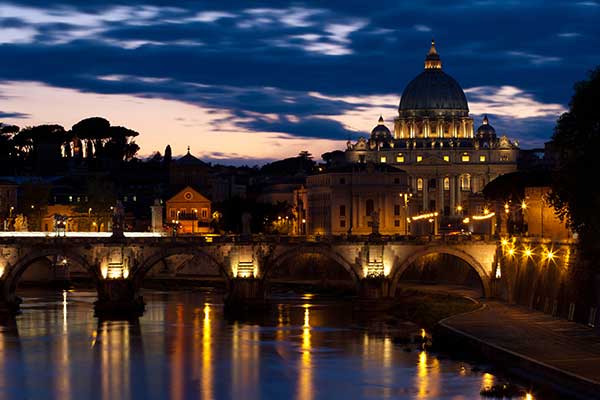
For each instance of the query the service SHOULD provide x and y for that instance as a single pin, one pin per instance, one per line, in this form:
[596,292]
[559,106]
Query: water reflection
[119,359]
[184,347]
[305,381]
[207,360]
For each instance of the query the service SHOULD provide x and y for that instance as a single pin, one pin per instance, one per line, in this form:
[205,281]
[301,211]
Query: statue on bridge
[246,219]
[375,223]
[118,220]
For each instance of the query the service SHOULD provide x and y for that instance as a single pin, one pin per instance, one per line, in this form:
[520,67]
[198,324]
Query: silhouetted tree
[168,156]
[120,147]
[94,129]
[41,142]
[7,132]
[577,138]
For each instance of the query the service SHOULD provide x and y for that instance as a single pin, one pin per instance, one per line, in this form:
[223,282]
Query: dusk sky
[245,82]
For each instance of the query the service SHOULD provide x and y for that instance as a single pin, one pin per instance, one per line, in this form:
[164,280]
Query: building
[189,170]
[190,211]
[351,199]
[447,162]
[540,217]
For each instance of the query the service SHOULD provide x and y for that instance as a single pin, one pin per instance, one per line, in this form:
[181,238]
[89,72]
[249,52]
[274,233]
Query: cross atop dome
[433,61]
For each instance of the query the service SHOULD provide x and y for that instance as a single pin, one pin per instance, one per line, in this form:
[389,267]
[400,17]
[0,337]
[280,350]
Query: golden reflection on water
[114,349]
[62,358]
[245,354]
[305,379]
[428,379]
[487,380]
[207,389]
[178,355]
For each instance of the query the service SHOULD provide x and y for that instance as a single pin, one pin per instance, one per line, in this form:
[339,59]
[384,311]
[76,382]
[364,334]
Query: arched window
[465,182]
[446,183]
[420,184]
[370,207]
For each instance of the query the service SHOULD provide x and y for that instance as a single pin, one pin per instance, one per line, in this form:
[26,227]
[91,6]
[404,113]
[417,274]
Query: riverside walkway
[556,352]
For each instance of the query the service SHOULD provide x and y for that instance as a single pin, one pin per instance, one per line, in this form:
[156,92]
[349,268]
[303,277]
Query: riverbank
[557,355]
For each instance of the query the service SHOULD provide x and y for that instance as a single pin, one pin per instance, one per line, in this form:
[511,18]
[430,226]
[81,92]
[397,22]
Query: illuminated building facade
[447,162]
[349,199]
[190,210]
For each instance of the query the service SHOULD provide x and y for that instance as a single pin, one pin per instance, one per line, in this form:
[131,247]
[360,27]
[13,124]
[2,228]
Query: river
[184,347]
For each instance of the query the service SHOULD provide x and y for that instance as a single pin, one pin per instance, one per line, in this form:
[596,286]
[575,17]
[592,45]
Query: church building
[448,162]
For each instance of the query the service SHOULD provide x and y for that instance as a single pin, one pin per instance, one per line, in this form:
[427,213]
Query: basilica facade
[447,161]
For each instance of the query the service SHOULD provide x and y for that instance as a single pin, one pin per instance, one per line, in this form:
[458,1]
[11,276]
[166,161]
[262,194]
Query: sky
[247,82]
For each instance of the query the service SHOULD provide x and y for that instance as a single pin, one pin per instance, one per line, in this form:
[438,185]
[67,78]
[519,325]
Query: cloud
[510,101]
[534,59]
[422,28]
[14,115]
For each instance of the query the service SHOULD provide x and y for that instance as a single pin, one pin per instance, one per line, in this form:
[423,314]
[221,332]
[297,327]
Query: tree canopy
[575,196]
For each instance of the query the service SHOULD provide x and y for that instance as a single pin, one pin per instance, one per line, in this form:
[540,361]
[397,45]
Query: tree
[168,156]
[577,139]
[7,132]
[92,130]
[43,142]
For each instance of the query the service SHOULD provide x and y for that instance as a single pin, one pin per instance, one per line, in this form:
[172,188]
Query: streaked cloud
[510,101]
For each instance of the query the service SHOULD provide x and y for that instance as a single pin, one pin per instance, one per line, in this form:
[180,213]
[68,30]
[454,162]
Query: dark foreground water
[184,348]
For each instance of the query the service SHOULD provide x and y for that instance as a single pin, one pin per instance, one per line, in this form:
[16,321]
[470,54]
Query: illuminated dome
[433,92]
[486,131]
[381,132]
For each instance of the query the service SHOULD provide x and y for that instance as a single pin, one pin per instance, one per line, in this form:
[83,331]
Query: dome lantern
[433,61]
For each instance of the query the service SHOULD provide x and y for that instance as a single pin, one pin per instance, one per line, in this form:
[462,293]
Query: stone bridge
[118,267]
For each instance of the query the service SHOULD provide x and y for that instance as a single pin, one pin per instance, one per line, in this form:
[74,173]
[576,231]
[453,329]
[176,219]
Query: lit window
[419,184]
[400,158]
[70,199]
[134,198]
[465,157]
[383,159]
[204,213]
[446,183]
[447,158]
[481,158]
[125,198]
[419,158]
[465,182]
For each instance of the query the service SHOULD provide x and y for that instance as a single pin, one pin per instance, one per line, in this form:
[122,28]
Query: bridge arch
[15,271]
[151,261]
[402,265]
[323,249]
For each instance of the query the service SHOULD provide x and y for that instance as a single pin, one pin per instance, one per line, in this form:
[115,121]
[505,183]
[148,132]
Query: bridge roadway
[118,266]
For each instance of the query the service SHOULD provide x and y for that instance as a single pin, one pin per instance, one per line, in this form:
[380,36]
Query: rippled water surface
[184,347]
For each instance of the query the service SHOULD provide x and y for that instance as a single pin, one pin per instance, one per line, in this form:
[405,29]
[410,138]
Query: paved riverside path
[567,346]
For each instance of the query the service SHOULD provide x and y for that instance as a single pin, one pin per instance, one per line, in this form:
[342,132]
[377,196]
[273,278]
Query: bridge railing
[9,236]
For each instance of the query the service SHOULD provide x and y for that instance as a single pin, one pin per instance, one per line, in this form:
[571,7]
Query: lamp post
[523,209]
[90,218]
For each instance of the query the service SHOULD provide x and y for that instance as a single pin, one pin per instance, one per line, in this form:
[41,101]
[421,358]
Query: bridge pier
[118,297]
[245,293]
[375,288]
[374,294]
